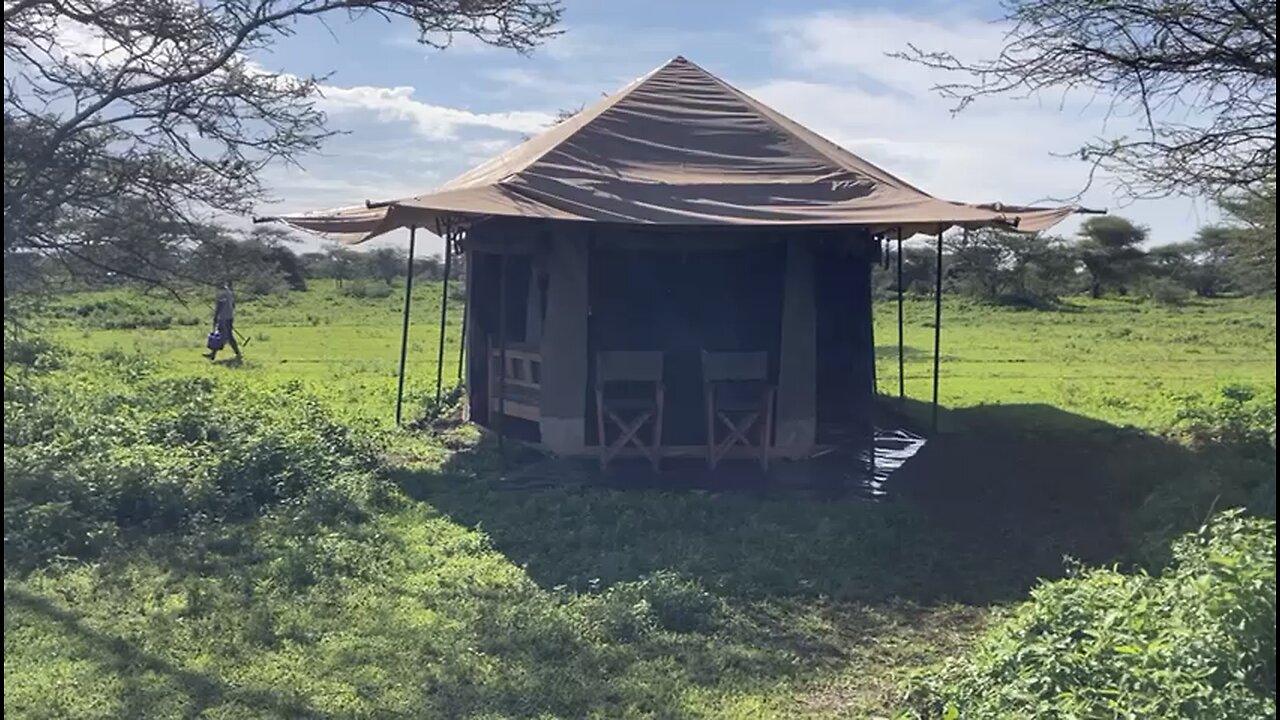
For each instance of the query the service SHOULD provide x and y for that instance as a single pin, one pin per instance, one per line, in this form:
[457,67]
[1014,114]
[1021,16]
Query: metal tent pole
[937,329]
[444,309]
[466,310]
[404,333]
[902,363]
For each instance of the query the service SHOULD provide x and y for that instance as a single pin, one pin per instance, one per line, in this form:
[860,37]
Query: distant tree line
[1106,257]
[259,261]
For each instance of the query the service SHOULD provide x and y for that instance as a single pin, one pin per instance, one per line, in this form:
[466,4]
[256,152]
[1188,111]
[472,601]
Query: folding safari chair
[738,397]
[629,394]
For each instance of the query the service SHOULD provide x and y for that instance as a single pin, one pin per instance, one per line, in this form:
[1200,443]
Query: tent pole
[937,329]
[404,333]
[902,382]
[466,311]
[444,310]
[502,352]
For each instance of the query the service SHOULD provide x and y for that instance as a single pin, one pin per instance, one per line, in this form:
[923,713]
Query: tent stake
[404,333]
[502,355]
[444,310]
[937,330]
[902,382]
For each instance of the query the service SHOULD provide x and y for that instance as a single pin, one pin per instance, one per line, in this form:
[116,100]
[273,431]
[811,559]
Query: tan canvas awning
[679,146]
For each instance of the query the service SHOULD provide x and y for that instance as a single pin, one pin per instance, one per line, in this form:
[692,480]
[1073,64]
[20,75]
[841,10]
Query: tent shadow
[978,516]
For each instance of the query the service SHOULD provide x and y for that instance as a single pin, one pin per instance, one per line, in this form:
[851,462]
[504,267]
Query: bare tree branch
[113,105]
[1201,75]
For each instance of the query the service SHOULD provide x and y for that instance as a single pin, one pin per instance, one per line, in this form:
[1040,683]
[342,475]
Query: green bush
[1167,291]
[120,313]
[1241,416]
[1232,431]
[31,351]
[1197,641]
[367,289]
[92,456]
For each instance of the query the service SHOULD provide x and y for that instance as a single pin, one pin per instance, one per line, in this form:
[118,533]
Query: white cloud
[860,43]
[437,122]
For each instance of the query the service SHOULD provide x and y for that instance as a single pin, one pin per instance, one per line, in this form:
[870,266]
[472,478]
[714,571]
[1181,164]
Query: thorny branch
[1200,75]
[115,105]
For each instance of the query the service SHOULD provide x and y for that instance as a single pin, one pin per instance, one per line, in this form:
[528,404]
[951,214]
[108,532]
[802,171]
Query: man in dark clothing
[224,313]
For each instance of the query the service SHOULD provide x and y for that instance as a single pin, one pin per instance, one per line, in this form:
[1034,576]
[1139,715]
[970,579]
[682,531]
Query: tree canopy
[112,104]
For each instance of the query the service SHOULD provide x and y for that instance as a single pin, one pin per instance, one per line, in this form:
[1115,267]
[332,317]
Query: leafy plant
[1196,641]
[93,456]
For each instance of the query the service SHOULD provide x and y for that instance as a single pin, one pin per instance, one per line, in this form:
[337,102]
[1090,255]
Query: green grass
[465,598]
[1125,362]
[346,350]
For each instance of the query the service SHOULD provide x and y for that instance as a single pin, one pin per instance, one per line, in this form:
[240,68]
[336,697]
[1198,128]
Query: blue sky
[413,117]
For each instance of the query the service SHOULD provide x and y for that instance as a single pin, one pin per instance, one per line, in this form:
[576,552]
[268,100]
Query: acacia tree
[1200,74]
[1245,243]
[1028,269]
[385,264]
[114,104]
[1110,250]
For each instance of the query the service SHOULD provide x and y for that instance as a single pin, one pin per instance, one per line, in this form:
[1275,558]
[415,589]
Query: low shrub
[93,456]
[31,351]
[1166,291]
[663,600]
[1195,641]
[1027,301]
[119,313]
[1240,416]
[367,289]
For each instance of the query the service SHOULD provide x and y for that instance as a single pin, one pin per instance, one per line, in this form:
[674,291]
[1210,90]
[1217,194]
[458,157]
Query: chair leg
[766,430]
[709,396]
[656,455]
[601,442]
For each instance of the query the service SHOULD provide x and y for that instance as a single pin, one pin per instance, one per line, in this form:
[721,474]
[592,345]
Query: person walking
[224,313]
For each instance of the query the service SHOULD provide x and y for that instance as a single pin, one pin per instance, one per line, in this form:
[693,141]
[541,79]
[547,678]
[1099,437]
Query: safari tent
[681,250]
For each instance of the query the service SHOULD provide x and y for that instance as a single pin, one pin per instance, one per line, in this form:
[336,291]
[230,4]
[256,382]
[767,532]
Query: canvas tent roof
[679,146]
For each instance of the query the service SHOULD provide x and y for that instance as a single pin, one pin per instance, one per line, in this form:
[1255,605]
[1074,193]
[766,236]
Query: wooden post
[937,329]
[404,332]
[502,352]
[902,364]
[444,309]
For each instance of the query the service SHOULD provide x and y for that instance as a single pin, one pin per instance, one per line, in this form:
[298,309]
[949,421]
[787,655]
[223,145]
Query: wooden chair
[516,388]
[640,372]
[738,396]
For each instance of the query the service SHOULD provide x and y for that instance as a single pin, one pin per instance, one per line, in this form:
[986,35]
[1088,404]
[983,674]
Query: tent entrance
[681,303]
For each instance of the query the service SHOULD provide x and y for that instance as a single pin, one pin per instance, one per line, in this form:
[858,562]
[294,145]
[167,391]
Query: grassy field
[1125,362]
[345,349]
[457,596]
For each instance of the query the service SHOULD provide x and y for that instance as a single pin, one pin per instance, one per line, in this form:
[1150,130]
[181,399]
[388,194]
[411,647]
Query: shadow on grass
[978,516]
[684,600]
[200,691]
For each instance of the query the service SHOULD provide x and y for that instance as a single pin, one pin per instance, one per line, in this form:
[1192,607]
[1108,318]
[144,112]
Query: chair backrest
[629,366]
[734,366]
